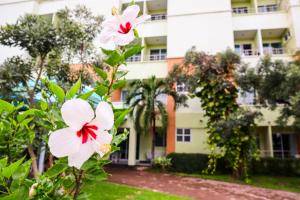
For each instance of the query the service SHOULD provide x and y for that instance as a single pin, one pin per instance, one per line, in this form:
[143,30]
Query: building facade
[253,28]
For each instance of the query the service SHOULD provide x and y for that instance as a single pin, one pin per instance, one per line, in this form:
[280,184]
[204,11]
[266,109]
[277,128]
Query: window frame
[183,135]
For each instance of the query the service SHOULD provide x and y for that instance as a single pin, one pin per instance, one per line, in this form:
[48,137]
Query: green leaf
[21,174]
[3,163]
[5,106]
[57,91]
[114,59]
[107,52]
[100,73]
[101,90]
[10,170]
[121,117]
[44,105]
[119,84]
[25,114]
[133,51]
[56,170]
[73,90]
[86,95]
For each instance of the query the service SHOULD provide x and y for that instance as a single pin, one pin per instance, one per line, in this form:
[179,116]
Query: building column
[143,50]
[255,4]
[260,42]
[132,146]
[270,141]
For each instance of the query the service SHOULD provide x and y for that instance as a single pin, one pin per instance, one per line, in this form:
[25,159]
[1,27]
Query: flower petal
[106,35]
[76,113]
[104,116]
[140,20]
[123,39]
[130,13]
[103,138]
[111,23]
[86,150]
[64,142]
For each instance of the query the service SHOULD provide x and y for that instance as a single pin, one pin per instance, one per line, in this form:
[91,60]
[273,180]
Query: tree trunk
[153,133]
[34,162]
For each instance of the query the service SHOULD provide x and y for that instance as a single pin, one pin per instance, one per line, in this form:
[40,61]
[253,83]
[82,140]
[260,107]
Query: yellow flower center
[114,11]
[105,148]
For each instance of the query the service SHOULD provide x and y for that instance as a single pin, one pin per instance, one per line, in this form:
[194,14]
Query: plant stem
[78,183]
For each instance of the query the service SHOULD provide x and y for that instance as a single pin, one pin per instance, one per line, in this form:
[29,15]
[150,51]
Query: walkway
[194,188]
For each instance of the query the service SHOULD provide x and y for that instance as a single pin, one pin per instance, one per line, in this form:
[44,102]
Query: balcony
[157,17]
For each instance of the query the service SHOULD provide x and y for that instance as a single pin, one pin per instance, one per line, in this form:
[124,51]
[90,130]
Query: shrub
[196,163]
[276,166]
[162,163]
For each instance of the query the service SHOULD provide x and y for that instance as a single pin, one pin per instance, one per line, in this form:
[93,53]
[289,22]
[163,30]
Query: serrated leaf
[119,84]
[56,170]
[21,174]
[133,51]
[114,59]
[9,170]
[57,91]
[86,95]
[101,73]
[107,52]
[5,106]
[25,114]
[73,90]
[101,90]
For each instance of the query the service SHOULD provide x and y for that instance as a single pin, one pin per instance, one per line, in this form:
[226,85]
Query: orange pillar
[171,130]
[116,96]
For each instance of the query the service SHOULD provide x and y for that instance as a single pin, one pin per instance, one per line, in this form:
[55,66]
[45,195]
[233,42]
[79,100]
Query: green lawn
[291,184]
[110,191]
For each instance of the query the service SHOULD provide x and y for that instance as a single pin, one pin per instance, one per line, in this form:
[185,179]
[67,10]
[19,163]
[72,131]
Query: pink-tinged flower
[119,28]
[86,133]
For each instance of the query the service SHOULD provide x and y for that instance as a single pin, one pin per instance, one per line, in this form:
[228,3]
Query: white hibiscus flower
[119,28]
[86,133]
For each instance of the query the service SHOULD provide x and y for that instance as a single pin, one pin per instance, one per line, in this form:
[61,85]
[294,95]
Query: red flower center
[86,131]
[125,29]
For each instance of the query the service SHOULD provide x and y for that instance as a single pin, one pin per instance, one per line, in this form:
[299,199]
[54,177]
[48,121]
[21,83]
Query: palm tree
[147,107]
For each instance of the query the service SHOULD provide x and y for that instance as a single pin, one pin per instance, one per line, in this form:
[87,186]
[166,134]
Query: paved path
[194,188]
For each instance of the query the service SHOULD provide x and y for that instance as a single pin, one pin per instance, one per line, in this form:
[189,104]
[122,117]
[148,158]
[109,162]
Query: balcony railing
[248,52]
[156,17]
[268,8]
[156,57]
[135,58]
[242,11]
[274,51]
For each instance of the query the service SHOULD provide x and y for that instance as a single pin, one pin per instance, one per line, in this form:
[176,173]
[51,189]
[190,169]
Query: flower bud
[32,191]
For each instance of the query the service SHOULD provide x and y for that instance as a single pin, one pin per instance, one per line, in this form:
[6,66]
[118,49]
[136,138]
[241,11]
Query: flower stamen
[125,29]
[86,131]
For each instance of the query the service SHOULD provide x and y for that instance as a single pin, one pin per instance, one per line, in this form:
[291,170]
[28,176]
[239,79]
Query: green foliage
[162,163]
[274,83]
[13,179]
[211,79]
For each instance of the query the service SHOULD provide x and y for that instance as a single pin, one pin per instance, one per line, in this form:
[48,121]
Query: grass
[102,190]
[291,184]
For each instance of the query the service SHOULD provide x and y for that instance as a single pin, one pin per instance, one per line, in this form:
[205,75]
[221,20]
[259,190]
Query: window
[240,10]
[273,48]
[267,8]
[183,135]
[160,140]
[244,49]
[158,54]
[124,95]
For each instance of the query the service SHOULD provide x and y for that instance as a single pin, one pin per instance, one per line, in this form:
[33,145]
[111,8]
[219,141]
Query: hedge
[196,163]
